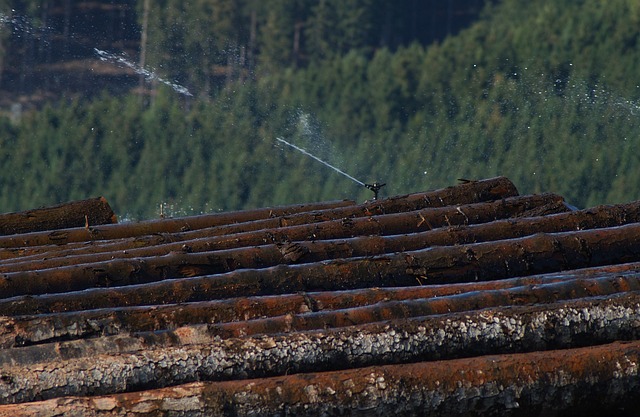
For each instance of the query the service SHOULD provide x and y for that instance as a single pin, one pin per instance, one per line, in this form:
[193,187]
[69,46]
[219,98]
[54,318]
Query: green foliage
[546,93]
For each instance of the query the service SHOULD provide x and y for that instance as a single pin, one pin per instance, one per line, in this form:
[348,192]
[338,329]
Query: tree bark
[304,226]
[367,244]
[582,381]
[123,230]
[280,280]
[246,255]
[481,332]
[484,261]
[82,214]
[275,319]
[476,191]
[34,329]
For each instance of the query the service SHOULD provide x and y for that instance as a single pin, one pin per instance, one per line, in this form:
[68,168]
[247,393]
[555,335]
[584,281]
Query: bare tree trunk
[84,214]
[479,332]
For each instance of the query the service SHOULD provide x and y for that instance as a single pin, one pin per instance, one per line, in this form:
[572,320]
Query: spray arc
[375,187]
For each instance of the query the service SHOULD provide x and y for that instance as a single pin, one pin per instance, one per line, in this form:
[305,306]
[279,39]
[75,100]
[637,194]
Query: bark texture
[28,330]
[124,230]
[476,191]
[469,300]
[501,259]
[587,382]
[281,320]
[274,231]
[83,214]
[481,332]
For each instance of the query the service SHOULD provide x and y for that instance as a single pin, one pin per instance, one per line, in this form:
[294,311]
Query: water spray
[147,74]
[375,187]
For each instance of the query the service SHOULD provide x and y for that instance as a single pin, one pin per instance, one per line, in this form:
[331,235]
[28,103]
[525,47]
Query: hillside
[545,93]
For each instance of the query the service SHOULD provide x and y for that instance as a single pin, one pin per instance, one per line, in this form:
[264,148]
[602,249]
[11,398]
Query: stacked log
[470,300]
[78,214]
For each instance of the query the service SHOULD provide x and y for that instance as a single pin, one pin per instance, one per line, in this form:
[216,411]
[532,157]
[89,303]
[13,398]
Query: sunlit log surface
[84,234]
[83,213]
[269,311]
[476,191]
[373,233]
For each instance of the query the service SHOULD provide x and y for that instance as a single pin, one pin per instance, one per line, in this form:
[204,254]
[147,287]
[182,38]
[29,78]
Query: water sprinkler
[375,187]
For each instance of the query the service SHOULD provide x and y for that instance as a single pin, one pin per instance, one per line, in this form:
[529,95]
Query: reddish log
[501,259]
[116,231]
[253,257]
[280,280]
[272,315]
[486,190]
[29,329]
[481,332]
[367,245]
[83,214]
[414,307]
[589,382]
[586,381]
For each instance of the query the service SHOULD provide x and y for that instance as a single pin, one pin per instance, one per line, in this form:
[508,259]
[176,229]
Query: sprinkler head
[375,187]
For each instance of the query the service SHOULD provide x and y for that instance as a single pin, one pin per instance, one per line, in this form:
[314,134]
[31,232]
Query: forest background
[411,93]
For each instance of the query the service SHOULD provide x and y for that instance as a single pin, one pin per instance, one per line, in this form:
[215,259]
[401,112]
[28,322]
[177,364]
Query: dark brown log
[83,214]
[287,252]
[275,317]
[123,230]
[27,329]
[277,280]
[501,259]
[414,307]
[589,382]
[481,332]
[369,245]
[476,191]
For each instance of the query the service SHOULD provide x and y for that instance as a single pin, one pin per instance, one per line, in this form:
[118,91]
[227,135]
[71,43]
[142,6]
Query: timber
[289,312]
[115,231]
[249,256]
[279,280]
[279,318]
[55,320]
[500,259]
[78,214]
[477,191]
[589,381]
[387,234]
[251,233]
[468,300]
[491,331]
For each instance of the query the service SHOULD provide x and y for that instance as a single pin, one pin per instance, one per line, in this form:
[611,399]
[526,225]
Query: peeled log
[83,213]
[482,332]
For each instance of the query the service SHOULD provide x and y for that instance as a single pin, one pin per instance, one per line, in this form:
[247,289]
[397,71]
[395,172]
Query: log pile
[469,300]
